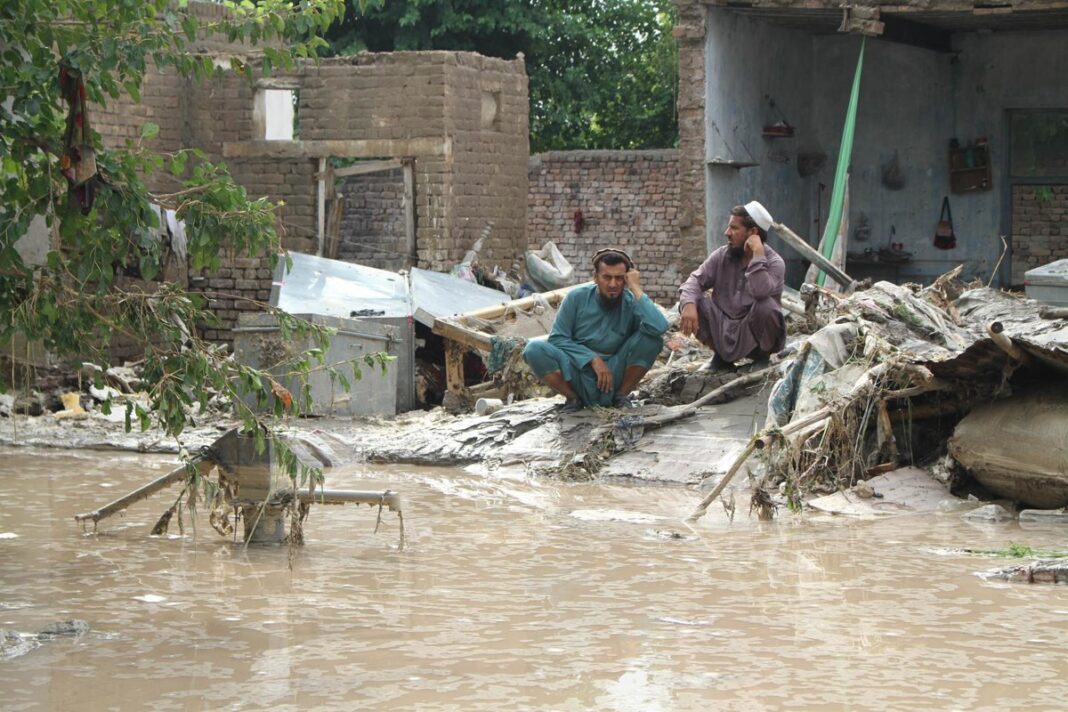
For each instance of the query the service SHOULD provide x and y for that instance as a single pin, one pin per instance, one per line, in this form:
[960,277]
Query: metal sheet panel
[317,285]
[1048,283]
[257,342]
[435,294]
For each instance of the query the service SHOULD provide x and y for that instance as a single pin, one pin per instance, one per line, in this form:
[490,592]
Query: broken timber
[460,337]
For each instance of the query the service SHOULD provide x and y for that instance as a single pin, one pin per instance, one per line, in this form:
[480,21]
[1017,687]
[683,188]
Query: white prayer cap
[760,215]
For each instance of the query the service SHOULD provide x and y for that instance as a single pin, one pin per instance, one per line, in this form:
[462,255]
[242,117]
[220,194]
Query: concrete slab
[908,490]
[687,452]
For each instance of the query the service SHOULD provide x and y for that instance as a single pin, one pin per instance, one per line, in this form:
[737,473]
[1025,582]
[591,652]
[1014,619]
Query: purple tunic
[745,309]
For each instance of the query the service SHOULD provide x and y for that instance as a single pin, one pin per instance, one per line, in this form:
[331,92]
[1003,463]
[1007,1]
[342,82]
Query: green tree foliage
[96,284]
[602,73]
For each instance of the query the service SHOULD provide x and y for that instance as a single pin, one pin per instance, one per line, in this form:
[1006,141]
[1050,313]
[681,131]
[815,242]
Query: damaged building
[390,160]
[960,100]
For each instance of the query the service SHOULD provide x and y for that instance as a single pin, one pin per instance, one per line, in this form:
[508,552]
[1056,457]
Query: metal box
[1048,283]
[258,343]
[316,285]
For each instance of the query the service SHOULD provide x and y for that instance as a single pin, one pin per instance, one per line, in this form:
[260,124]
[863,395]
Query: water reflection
[512,594]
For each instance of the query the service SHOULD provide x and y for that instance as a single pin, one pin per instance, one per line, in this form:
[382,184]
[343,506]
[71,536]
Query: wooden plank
[279,83]
[369,148]
[333,225]
[795,241]
[454,367]
[321,198]
[363,167]
[409,212]
[497,310]
[463,335]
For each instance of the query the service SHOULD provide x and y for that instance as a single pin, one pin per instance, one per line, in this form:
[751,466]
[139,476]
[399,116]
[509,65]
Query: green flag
[845,153]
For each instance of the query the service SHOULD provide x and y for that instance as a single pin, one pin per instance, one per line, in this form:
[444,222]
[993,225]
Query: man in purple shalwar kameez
[743,315]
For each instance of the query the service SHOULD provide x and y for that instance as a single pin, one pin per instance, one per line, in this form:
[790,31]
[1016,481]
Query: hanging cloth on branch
[841,172]
[79,159]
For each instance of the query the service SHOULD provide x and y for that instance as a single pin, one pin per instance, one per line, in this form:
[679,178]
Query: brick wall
[1039,227]
[486,114]
[373,223]
[689,32]
[628,199]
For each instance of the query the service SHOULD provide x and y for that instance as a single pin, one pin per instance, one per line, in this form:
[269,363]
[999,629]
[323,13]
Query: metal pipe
[389,499]
[143,492]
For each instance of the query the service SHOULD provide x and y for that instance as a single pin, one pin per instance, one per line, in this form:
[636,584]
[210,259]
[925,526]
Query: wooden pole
[553,298]
[468,337]
[795,241]
[703,506]
[997,334]
[680,412]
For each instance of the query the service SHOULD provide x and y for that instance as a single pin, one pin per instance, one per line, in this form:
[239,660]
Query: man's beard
[610,303]
[735,253]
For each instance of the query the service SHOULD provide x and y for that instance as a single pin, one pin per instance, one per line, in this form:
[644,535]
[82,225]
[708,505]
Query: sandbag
[548,269]
[1018,447]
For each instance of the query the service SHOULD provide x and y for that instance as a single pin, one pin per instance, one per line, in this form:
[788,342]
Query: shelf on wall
[964,178]
[728,163]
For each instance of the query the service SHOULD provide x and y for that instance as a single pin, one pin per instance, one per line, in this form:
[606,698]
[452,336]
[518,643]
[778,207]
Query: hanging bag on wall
[944,238]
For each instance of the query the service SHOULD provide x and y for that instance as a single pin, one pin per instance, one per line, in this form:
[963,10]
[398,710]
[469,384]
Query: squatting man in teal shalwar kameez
[605,337]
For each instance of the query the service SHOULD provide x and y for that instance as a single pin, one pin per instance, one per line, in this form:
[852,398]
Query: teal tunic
[631,335]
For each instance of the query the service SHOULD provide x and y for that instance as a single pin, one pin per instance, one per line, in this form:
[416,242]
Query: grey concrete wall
[912,102]
[746,63]
[906,105]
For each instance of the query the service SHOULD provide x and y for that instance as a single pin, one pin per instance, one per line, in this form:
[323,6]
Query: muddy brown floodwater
[513,595]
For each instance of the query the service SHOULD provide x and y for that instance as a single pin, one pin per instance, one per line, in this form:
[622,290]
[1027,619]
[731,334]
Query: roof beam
[869,21]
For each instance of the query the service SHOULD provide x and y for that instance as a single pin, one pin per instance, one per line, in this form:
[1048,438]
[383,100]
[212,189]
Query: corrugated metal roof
[317,285]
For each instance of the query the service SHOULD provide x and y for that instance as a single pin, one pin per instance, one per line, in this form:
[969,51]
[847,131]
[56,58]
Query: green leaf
[133,88]
[189,26]
[178,163]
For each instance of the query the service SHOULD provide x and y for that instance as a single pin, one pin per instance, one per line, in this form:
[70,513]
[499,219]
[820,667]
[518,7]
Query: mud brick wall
[628,199]
[461,116]
[242,284]
[486,114]
[1039,227]
[373,222]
